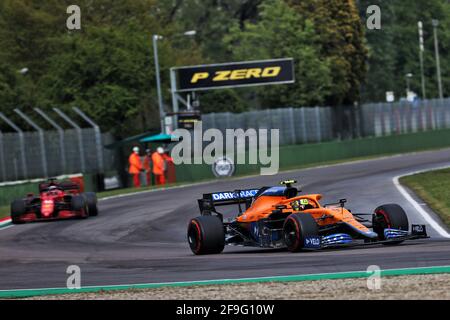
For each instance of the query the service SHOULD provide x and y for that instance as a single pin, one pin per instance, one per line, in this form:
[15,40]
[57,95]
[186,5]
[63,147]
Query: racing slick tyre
[78,203]
[297,227]
[206,235]
[91,200]
[389,216]
[18,208]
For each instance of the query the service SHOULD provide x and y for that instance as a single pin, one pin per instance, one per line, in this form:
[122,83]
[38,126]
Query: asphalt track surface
[142,238]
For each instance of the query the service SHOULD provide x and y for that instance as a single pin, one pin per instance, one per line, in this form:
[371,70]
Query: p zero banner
[235,74]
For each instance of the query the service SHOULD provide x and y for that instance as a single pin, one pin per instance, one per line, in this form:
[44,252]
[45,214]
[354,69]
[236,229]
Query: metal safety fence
[40,153]
[320,124]
[383,119]
[18,164]
[45,153]
[296,125]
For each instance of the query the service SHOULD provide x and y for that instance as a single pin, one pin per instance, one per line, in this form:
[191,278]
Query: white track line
[435,225]
[124,195]
[5,222]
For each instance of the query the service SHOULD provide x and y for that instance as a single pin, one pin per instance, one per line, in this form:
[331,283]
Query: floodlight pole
[438,61]
[162,114]
[173,89]
[421,51]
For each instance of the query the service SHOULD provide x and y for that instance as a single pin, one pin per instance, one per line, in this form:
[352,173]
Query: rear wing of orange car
[210,200]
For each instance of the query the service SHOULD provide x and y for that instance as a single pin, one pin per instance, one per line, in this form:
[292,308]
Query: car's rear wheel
[78,203]
[297,228]
[206,235]
[18,208]
[91,200]
[389,216]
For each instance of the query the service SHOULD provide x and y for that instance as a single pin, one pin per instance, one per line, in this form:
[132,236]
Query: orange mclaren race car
[280,217]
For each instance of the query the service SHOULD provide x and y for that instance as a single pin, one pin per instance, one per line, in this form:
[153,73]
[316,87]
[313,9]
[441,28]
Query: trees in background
[341,37]
[107,68]
[394,50]
[281,32]
[27,32]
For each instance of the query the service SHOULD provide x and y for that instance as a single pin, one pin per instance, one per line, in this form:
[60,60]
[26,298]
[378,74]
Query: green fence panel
[9,193]
[309,154]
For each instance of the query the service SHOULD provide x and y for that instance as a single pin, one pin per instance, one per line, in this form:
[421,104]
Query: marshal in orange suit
[135,167]
[159,159]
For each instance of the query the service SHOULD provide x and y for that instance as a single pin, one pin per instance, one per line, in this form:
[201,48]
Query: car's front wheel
[78,204]
[18,208]
[389,216]
[299,228]
[91,200]
[206,235]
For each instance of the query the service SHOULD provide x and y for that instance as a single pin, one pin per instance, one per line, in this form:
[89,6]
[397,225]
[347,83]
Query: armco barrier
[308,154]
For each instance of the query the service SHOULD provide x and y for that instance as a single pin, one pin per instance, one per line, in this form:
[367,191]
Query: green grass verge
[4,212]
[434,188]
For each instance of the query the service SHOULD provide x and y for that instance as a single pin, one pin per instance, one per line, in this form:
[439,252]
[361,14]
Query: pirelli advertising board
[235,74]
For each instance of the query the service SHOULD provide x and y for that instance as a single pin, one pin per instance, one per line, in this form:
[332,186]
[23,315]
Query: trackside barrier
[301,155]
[64,149]
[321,124]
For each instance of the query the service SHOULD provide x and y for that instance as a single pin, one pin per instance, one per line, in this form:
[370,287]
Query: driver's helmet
[300,205]
[52,188]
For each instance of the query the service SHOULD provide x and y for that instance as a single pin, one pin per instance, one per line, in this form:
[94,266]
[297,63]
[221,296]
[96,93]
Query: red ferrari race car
[56,200]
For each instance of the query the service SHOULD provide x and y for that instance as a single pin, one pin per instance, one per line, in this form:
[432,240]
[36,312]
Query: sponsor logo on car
[234,195]
[418,229]
[312,242]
